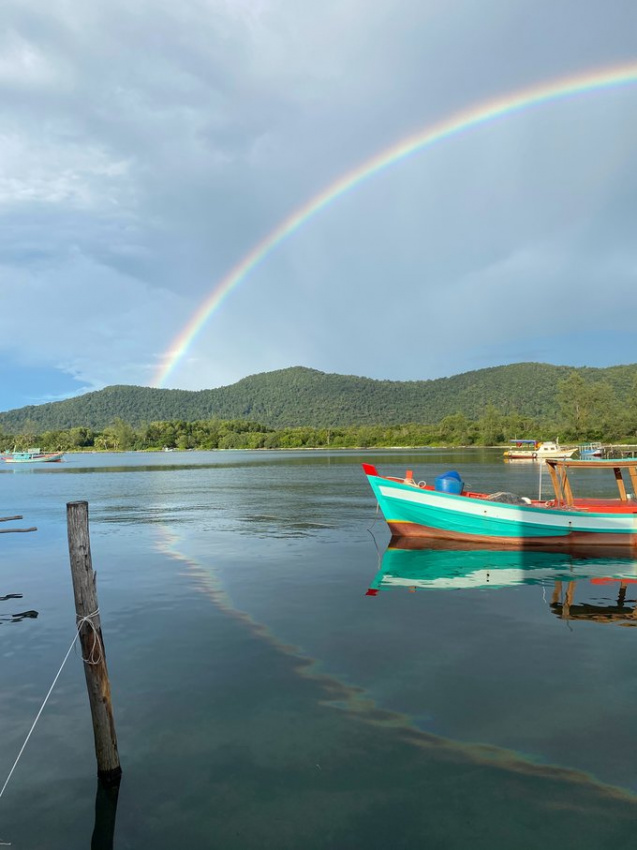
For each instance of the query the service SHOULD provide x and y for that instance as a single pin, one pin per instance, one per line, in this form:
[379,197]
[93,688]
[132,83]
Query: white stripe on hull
[542,517]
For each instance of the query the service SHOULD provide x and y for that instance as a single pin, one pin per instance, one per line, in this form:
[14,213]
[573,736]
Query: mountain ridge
[302,396]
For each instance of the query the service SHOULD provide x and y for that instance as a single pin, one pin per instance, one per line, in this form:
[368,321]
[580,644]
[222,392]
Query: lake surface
[282,680]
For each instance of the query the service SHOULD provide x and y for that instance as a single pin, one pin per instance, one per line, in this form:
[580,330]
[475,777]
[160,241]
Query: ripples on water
[281,678]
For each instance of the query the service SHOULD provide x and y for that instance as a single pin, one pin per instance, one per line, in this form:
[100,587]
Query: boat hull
[411,511]
[538,455]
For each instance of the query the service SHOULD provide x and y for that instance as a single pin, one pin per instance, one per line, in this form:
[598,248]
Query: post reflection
[622,613]
[105,814]
[606,576]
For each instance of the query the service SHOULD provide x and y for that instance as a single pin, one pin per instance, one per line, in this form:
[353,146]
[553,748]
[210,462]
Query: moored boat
[585,450]
[449,510]
[32,456]
[536,450]
[522,450]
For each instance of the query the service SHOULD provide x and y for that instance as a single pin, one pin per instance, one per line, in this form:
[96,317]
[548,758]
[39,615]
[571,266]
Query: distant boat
[448,510]
[32,456]
[590,450]
[535,450]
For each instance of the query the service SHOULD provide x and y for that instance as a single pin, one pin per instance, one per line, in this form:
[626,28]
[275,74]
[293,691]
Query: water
[263,698]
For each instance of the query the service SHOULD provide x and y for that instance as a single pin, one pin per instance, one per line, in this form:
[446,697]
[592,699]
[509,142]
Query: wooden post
[90,636]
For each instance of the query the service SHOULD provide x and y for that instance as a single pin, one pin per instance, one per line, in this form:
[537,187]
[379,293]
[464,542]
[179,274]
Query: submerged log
[13,530]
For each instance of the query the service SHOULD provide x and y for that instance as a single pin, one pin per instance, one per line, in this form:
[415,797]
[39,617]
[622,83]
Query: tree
[123,434]
[574,401]
[490,426]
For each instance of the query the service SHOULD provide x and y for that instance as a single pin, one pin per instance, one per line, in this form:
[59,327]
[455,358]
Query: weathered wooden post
[90,635]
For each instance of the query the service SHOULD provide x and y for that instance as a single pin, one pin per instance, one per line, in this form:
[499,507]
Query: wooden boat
[522,450]
[535,450]
[32,456]
[448,510]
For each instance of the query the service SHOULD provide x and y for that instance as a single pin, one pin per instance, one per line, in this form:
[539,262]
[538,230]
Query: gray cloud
[145,149]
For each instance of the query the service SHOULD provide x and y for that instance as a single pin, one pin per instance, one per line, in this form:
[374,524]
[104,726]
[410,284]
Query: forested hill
[299,396]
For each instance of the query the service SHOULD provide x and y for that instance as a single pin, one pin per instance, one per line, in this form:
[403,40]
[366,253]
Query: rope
[88,619]
[96,655]
[376,512]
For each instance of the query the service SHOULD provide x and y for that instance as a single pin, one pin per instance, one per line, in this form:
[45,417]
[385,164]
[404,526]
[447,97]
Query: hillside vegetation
[300,397]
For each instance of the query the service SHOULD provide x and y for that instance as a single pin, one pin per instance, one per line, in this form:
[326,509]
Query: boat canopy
[598,462]
[558,468]
[520,442]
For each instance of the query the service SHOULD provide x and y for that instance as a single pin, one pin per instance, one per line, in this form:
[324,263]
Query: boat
[32,456]
[536,450]
[522,450]
[585,450]
[448,510]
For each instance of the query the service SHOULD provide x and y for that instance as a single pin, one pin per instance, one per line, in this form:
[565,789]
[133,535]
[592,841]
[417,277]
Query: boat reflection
[439,565]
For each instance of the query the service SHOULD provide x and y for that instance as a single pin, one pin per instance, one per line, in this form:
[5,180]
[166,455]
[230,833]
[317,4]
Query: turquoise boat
[448,510]
[32,456]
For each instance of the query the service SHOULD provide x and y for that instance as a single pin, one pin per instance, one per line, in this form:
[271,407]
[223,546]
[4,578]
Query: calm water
[264,697]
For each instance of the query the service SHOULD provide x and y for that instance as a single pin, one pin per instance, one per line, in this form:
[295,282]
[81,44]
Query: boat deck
[597,505]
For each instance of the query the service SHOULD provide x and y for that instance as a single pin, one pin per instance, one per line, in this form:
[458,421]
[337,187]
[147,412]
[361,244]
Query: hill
[299,396]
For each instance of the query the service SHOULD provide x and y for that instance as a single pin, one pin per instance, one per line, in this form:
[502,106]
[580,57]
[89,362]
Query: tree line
[587,411]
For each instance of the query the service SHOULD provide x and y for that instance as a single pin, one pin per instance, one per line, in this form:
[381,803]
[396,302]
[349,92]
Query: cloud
[145,148]
[86,319]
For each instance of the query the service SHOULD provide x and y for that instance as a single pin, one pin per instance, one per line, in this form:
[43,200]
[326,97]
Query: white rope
[96,656]
[88,619]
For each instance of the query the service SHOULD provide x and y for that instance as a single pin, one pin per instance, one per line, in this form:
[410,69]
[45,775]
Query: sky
[147,149]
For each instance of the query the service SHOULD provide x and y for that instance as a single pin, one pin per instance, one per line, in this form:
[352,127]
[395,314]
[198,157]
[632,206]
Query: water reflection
[15,618]
[622,613]
[105,814]
[438,565]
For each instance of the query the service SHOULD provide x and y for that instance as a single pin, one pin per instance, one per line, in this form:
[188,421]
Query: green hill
[299,396]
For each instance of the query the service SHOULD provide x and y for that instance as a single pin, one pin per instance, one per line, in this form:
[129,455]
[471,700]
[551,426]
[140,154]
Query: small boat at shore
[448,510]
[585,450]
[32,456]
[536,450]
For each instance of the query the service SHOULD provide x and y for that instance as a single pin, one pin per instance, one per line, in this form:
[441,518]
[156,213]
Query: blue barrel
[449,482]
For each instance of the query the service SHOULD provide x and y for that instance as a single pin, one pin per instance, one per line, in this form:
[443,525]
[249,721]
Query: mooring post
[90,635]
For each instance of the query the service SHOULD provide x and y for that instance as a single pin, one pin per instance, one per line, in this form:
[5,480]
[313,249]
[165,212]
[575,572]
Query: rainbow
[468,119]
